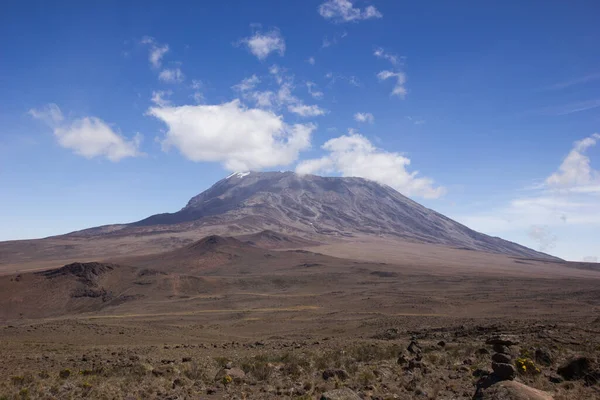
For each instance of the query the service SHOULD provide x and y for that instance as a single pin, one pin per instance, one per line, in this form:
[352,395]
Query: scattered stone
[505,340]
[483,351]
[332,373]
[554,378]
[441,343]
[402,359]
[211,391]
[502,358]
[478,373]
[575,369]
[414,364]
[542,356]
[500,348]
[414,348]
[504,371]
[340,394]
[177,382]
[229,365]
[186,359]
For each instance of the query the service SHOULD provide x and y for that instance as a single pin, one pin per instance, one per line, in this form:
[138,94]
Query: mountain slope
[327,206]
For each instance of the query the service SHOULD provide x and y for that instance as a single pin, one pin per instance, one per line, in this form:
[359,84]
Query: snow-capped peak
[238,174]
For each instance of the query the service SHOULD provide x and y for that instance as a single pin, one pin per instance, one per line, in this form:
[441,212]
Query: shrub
[64,373]
[526,366]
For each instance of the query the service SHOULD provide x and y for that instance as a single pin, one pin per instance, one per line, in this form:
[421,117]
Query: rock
[186,359]
[504,371]
[478,373]
[177,382]
[340,394]
[211,391]
[543,356]
[554,378]
[331,373]
[502,358]
[441,343]
[482,351]
[574,369]
[414,364]
[402,359]
[500,348]
[229,365]
[511,390]
[414,348]
[505,340]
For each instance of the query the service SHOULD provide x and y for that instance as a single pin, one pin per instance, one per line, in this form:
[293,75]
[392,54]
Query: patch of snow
[238,174]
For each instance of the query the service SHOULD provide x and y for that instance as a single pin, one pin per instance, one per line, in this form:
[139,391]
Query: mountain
[275,210]
[330,206]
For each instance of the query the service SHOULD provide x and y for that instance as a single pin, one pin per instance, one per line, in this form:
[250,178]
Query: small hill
[88,287]
[269,239]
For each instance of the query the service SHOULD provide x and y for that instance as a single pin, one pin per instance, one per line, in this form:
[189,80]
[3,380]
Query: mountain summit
[312,205]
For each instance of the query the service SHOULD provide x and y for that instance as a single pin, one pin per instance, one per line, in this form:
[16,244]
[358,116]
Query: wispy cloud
[574,81]
[344,11]
[399,89]
[313,91]
[415,120]
[364,117]
[157,51]
[381,53]
[263,44]
[566,198]
[171,75]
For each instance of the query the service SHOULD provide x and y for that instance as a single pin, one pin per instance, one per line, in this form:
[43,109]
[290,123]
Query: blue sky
[484,111]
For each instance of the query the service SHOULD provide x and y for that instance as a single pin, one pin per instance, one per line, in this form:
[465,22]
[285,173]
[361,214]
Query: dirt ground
[287,331]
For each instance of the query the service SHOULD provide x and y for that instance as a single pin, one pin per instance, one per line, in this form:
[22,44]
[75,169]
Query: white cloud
[238,137]
[50,114]
[198,96]
[157,51]
[354,155]
[89,137]
[160,97]
[247,84]
[344,11]
[263,44]
[575,170]
[380,53]
[306,111]
[315,93]
[364,117]
[556,213]
[282,98]
[399,89]
[311,60]
[173,75]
